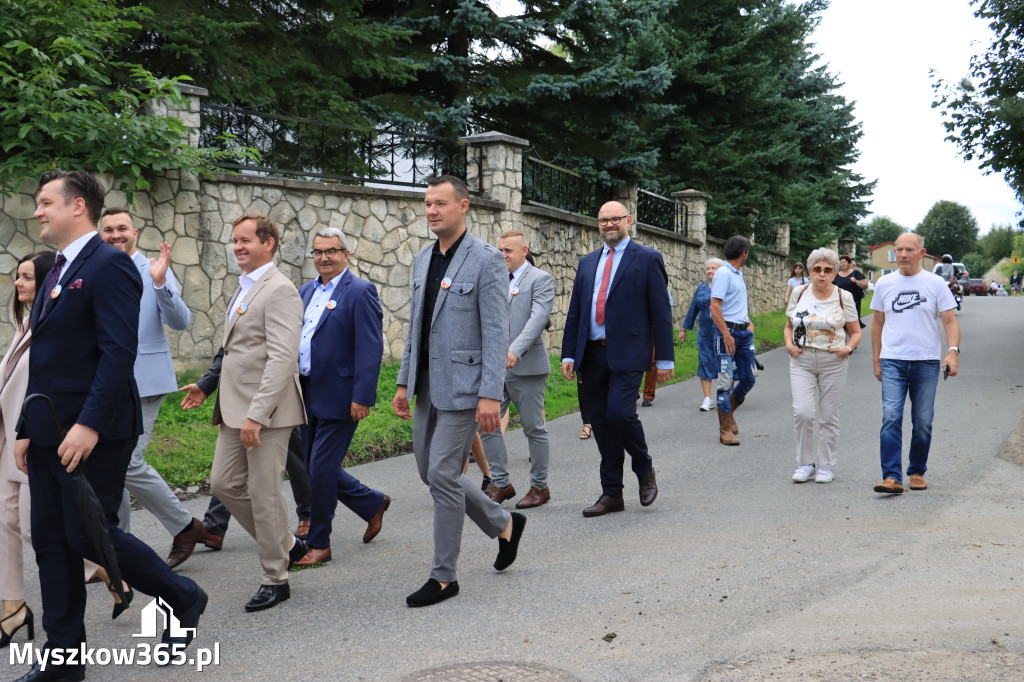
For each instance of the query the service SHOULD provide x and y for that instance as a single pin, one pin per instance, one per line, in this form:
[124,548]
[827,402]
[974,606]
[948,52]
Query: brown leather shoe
[605,505]
[184,543]
[890,486]
[733,405]
[499,495]
[534,498]
[302,532]
[214,542]
[725,434]
[313,557]
[373,525]
[648,489]
[917,482]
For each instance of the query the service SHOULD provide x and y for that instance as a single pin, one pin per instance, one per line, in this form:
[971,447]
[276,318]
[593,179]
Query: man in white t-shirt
[906,342]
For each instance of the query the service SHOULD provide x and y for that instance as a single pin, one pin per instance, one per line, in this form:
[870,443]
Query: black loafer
[297,551]
[432,593]
[268,596]
[188,622]
[54,673]
[508,549]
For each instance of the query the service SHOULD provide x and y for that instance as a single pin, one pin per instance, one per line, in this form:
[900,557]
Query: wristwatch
[956,348]
[850,350]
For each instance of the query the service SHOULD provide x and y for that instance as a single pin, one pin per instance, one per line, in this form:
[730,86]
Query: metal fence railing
[655,210]
[765,231]
[549,185]
[315,150]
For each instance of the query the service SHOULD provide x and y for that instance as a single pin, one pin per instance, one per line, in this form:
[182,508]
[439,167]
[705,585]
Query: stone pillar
[494,167]
[189,114]
[849,247]
[625,195]
[782,237]
[691,213]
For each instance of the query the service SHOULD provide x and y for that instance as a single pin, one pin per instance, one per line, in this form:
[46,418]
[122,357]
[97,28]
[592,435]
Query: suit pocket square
[77,284]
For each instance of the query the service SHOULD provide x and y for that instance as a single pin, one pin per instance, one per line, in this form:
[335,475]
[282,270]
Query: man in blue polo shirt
[733,339]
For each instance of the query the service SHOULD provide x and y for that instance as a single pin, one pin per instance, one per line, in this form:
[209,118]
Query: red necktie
[51,281]
[602,293]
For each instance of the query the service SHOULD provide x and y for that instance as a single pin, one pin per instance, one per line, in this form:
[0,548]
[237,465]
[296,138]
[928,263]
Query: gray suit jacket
[528,312]
[469,328]
[154,367]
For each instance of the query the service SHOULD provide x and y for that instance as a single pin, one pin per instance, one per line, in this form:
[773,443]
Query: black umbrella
[94,519]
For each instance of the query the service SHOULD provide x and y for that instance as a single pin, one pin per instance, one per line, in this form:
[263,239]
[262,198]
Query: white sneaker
[707,405]
[824,476]
[804,473]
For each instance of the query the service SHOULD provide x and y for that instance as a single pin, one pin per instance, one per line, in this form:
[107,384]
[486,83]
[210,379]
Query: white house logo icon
[151,621]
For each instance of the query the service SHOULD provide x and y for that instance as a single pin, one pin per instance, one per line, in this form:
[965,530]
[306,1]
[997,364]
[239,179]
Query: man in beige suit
[258,403]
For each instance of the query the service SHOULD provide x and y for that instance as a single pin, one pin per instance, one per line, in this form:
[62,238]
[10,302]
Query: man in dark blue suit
[84,339]
[619,309]
[339,361]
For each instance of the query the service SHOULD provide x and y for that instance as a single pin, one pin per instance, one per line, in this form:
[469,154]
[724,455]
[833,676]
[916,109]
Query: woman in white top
[796,278]
[821,332]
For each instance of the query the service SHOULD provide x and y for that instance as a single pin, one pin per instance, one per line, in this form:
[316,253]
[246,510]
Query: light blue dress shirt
[322,294]
[729,287]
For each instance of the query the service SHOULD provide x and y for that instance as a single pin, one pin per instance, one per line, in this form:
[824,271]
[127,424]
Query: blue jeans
[919,379]
[741,370]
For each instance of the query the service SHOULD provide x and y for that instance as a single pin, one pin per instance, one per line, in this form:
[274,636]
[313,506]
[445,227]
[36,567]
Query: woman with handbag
[14,500]
[821,332]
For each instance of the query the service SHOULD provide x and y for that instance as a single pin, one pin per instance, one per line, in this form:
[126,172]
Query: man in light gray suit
[531,293]
[454,363]
[154,373]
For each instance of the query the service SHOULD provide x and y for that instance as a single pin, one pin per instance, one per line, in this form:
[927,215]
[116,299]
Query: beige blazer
[12,394]
[260,376]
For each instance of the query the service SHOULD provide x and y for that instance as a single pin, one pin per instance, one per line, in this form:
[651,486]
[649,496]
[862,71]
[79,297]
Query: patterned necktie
[602,293]
[51,281]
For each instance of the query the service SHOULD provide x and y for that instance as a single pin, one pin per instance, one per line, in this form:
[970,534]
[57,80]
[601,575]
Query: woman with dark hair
[32,270]
[797,277]
[853,281]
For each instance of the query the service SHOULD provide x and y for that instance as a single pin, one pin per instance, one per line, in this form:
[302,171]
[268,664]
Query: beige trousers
[248,482]
[817,379]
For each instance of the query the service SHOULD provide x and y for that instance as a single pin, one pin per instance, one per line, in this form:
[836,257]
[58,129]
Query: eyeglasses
[614,220]
[817,270]
[316,253]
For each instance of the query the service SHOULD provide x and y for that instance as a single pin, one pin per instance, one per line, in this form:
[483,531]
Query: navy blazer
[83,351]
[346,349]
[637,312]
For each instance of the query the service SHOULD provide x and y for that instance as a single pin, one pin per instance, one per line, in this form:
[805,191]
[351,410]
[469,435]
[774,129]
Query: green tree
[950,228]
[881,229]
[977,263]
[998,243]
[306,58]
[984,113]
[67,103]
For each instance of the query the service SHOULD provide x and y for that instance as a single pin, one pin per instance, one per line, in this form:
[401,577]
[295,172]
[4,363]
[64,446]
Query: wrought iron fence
[655,210]
[313,149]
[550,185]
[765,231]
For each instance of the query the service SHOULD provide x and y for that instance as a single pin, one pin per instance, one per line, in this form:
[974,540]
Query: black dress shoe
[54,673]
[297,551]
[605,505]
[189,622]
[268,596]
[508,549]
[648,489]
[647,402]
[431,593]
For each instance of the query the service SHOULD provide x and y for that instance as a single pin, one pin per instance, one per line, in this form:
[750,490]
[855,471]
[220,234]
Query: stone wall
[385,229]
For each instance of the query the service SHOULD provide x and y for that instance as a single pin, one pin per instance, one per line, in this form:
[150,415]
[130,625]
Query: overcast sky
[883,50]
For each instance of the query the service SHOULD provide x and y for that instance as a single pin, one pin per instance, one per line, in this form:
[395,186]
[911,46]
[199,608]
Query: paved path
[735,573]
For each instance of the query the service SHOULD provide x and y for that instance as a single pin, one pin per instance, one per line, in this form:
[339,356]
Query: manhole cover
[492,672]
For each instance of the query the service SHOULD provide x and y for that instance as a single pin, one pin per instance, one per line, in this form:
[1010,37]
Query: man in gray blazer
[154,373]
[454,363]
[531,293]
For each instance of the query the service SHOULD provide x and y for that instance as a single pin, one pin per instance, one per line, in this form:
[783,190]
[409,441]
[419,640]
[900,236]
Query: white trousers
[817,379]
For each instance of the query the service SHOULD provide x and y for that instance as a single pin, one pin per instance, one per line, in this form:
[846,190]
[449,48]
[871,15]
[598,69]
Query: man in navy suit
[84,339]
[618,311]
[339,361]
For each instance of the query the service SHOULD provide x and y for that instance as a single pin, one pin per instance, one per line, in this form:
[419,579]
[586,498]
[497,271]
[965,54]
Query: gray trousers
[527,392]
[441,442]
[146,484]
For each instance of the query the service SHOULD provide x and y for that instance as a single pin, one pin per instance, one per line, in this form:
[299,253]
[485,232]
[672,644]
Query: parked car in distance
[976,287]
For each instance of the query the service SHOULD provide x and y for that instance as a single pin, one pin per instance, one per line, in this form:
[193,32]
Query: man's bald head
[614,222]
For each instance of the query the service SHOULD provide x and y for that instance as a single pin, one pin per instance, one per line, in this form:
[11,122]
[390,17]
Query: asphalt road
[735,573]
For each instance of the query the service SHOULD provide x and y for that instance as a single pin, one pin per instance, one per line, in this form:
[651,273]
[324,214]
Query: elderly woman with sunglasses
[821,332]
